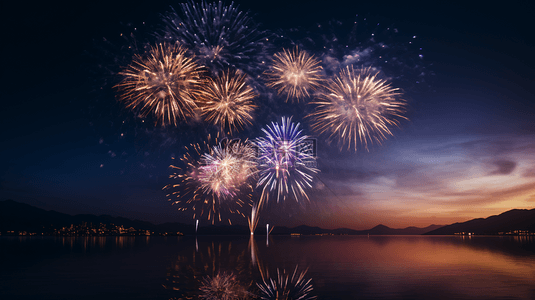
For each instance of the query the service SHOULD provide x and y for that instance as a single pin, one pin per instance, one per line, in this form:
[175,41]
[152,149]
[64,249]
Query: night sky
[468,150]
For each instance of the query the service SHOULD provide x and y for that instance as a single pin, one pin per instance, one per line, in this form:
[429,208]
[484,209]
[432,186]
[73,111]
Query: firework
[226,101]
[221,36]
[162,83]
[222,286]
[294,73]
[212,179]
[226,168]
[357,108]
[286,287]
[253,220]
[285,162]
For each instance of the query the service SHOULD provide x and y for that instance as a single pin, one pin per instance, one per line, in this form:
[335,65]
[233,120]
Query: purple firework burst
[286,163]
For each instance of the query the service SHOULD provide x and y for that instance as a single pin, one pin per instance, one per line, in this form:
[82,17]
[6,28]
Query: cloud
[349,175]
[482,197]
[420,182]
[335,188]
[504,167]
[489,147]
[529,173]
[499,146]
[482,147]
[449,179]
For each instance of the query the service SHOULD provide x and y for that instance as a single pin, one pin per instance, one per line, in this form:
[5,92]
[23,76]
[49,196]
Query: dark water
[339,267]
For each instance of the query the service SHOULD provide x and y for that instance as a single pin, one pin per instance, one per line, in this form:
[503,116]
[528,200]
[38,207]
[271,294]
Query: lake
[326,267]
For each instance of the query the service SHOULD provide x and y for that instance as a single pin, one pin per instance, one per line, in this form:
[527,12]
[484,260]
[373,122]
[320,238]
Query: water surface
[339,267]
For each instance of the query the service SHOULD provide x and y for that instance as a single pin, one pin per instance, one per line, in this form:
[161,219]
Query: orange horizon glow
[428,183]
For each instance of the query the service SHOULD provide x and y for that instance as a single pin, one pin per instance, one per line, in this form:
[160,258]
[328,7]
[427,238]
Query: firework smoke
[357,108]
[162,83]
[294,73]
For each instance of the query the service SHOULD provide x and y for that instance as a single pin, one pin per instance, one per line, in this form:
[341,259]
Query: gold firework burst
[294,73]
[357,108]
[162,83]
[227,101]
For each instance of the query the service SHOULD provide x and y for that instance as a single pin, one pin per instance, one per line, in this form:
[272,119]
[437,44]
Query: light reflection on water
[224,267]
[326,267]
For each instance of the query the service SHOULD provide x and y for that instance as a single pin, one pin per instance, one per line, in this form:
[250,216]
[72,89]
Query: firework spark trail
[227,101]
[221,36]
[357,108]
[253,220]
[284,164]
[162,83]
[294,73]
[213,179]
[286,286]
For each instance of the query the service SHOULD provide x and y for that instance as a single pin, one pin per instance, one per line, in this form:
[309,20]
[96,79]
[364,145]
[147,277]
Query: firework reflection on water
[216,270]
[223,286]
[286,286]
[221,269]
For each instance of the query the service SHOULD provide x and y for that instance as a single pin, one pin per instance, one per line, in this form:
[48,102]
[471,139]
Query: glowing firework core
[224,170]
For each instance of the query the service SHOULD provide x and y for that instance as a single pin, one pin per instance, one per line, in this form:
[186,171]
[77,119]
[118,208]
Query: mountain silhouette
[377,230]
[515,219]
[16,216]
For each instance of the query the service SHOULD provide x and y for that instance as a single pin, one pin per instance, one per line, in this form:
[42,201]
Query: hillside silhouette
[509,221]
[16,216]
